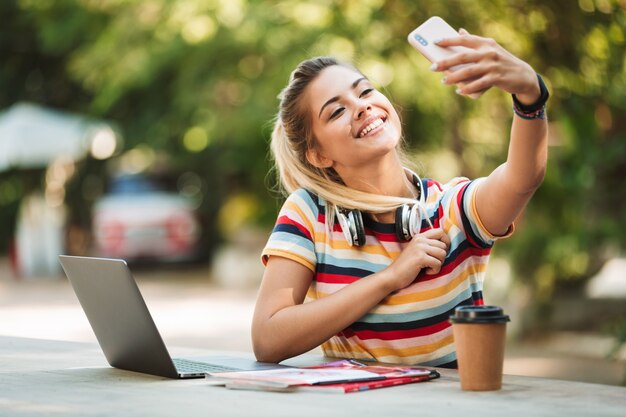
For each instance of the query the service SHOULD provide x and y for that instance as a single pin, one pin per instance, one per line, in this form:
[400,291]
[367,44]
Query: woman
[381,256]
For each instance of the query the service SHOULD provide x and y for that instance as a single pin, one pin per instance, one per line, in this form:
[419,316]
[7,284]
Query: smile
[373,125]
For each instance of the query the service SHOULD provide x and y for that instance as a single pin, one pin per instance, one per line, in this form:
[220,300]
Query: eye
[336,113]
[366,92]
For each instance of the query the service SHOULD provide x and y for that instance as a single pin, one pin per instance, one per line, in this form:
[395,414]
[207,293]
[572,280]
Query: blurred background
[139,129]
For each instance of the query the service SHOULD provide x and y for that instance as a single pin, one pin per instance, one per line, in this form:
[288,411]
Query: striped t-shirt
[409,326]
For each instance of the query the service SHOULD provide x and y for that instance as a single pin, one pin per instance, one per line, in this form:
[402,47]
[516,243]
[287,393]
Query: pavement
[187,307]
[191,309]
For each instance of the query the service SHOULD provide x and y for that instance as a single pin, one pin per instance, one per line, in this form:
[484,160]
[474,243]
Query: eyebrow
[336,98]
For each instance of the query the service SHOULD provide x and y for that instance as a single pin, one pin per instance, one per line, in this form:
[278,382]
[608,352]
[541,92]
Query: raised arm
[507,190]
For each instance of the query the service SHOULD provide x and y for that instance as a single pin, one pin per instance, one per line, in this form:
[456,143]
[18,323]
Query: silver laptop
[124,327]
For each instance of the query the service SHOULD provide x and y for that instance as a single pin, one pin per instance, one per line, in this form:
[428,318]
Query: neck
[385,177]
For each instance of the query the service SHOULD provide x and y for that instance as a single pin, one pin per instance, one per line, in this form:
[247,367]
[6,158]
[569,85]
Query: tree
[197,81]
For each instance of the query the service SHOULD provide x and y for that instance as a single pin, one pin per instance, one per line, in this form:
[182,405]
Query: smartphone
[435,28]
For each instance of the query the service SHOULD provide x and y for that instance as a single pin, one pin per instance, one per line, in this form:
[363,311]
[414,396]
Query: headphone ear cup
[344,222]
[415,219]
[359,228]
[402,230]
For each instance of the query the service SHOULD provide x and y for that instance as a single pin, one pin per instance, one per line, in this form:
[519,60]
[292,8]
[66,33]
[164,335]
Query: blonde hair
[292,138]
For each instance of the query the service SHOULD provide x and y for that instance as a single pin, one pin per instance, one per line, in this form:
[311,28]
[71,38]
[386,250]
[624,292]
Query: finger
[458,61]
[477,86]
[470,41]
[434,233]
[438,239]
[446,239]
[468,73]
[438,244]
[433,267]
[437,253]
[462,31]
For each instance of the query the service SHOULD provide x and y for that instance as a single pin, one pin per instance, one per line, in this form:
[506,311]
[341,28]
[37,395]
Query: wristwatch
[537,105]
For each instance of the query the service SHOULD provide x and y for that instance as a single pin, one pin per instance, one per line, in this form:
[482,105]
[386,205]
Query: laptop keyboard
[186,366]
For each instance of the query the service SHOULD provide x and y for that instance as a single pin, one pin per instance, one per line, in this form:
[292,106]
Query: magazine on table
[340,376]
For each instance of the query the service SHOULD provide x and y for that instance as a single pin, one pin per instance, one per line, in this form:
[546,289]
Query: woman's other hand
[490,66]
[425,252]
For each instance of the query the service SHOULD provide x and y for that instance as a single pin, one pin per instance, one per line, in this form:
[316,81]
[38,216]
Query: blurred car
[139,219]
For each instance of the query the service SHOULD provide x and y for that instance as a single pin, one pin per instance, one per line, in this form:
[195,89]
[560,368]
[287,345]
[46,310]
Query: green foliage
[197,81]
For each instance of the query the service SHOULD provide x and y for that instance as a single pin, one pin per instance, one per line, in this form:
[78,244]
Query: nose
[363,109]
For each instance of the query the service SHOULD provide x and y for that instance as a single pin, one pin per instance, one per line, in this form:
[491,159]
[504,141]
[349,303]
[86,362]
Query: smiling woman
[343,141]
[366,258]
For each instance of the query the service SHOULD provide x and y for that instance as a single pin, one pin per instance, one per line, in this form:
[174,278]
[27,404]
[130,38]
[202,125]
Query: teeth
[371,127]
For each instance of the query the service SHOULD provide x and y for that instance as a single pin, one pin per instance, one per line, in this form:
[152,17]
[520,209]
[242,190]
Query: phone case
[424,36]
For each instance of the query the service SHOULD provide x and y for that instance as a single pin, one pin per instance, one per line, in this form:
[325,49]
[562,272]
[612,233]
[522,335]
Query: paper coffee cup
[479,335]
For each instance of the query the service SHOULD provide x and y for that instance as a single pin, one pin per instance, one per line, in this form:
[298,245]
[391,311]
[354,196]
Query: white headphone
[408,218]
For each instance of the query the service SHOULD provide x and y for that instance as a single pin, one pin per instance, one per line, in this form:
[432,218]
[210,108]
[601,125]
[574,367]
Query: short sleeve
[474,226]
[294,232]
[458,199]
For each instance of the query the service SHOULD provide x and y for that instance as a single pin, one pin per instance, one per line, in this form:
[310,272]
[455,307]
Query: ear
[318,160]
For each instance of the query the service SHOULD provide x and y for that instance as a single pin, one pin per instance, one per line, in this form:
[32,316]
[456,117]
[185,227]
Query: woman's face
[353,124]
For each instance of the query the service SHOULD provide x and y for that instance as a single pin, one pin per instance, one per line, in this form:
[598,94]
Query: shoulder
[305,199]
[436,190]
[303,206]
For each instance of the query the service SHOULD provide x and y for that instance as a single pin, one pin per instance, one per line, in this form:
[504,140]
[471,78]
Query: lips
[371,124]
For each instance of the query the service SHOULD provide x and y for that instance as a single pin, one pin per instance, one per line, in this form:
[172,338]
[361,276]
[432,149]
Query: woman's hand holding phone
[473,63]
[425,38]
[490,66]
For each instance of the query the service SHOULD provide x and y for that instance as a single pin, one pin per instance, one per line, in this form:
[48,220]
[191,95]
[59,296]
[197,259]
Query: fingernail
[436,41]
[433,67]
[458,91]
[443,80]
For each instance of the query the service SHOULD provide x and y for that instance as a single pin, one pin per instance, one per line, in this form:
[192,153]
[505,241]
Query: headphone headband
[417,181]
[408,217]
